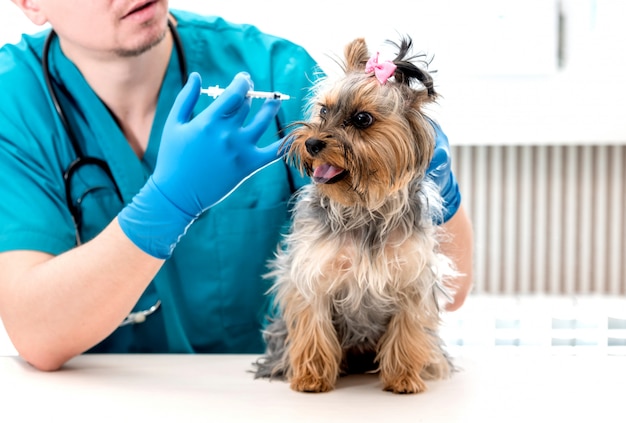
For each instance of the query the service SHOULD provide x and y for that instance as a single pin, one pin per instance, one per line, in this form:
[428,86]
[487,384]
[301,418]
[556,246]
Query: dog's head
[367,136]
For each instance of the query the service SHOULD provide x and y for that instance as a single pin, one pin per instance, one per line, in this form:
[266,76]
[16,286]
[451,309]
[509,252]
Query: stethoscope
[84,160]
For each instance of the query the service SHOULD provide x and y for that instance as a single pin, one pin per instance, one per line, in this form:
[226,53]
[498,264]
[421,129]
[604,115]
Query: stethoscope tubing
[82,159]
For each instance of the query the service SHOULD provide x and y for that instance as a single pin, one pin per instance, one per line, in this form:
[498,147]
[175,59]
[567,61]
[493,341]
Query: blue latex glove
[440,171]
[200,162]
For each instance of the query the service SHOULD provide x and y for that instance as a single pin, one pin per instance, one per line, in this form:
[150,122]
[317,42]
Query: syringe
[216,91]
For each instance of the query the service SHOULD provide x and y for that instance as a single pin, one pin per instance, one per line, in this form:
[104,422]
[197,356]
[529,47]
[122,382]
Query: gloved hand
[440,171]
[200,162]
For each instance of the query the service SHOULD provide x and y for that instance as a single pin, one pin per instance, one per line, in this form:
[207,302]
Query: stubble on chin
[139,50]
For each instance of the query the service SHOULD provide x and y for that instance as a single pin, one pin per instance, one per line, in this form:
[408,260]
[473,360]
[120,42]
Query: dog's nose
[314,146]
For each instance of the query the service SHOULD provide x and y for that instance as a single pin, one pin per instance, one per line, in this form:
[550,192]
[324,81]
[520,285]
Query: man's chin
[143,47]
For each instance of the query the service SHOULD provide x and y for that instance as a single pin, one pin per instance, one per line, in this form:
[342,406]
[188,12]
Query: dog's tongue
[325,173]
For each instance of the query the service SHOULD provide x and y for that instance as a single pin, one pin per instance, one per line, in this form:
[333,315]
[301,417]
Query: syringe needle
[216,91]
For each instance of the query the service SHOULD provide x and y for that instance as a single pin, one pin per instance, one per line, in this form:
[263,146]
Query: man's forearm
[459,246]
[55,308]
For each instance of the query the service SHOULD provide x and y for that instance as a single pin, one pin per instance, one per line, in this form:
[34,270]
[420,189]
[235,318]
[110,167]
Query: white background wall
[497,63]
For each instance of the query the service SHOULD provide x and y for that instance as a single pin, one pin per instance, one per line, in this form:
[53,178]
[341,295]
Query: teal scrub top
[212,291]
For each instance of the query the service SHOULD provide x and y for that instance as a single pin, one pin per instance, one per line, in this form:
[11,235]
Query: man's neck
[129,86]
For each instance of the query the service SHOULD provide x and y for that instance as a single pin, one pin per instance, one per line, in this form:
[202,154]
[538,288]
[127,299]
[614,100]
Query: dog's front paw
[310,383]
[404,384]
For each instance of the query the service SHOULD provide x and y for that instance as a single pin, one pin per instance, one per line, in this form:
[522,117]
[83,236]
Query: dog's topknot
[407,70]
[410,68]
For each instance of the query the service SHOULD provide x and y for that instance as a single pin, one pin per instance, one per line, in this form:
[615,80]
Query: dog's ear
[356,54]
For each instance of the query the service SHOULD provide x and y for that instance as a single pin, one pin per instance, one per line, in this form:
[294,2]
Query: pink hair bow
[383,71]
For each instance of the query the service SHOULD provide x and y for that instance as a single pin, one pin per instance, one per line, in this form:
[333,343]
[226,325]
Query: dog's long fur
[357,278]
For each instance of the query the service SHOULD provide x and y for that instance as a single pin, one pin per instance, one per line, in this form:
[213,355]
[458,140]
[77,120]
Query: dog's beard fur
[357,278]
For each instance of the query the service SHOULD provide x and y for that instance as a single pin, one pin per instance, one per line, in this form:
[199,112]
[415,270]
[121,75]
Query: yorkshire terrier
[358,277]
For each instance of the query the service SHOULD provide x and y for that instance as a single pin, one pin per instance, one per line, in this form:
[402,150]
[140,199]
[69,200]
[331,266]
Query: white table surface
[492,385]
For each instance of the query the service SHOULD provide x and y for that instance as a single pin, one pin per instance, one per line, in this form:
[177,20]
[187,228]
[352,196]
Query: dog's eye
[323,111]
[362,120]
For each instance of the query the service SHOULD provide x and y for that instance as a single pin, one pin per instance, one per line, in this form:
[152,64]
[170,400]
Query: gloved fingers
[262,120]
[268,154]
[231,101]
[187,99]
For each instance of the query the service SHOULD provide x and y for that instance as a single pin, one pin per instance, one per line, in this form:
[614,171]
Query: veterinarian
[117,231]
